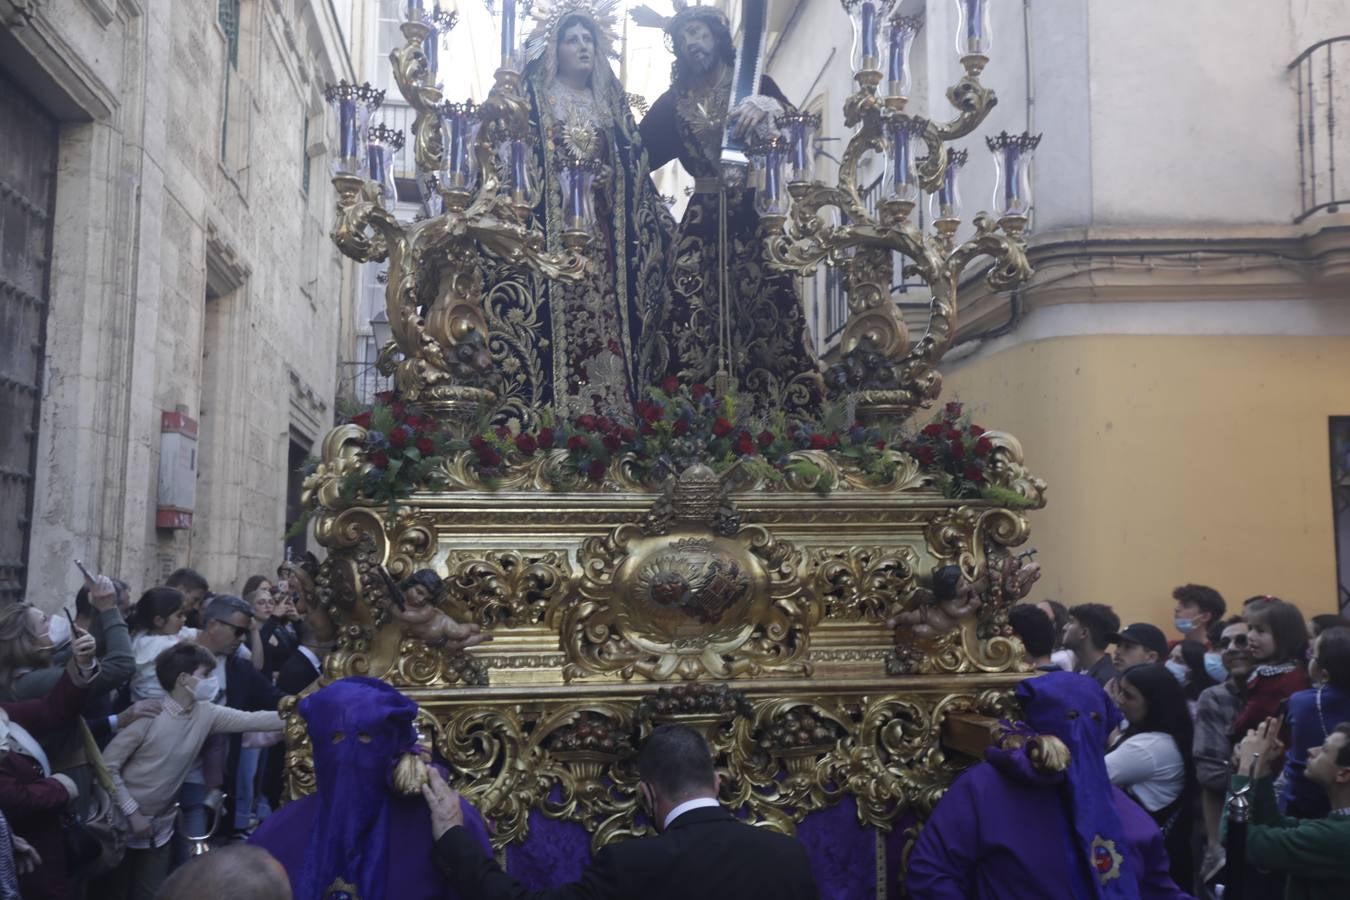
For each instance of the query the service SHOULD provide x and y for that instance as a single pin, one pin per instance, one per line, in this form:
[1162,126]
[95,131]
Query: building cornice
[1116,265]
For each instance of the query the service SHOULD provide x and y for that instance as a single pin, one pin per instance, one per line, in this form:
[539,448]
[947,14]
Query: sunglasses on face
[1237,641]
[239,630]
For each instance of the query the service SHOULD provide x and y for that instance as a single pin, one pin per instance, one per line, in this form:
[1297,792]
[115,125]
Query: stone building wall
[191,272]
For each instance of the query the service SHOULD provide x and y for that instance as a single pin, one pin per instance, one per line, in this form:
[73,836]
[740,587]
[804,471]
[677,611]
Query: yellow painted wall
[1173,459]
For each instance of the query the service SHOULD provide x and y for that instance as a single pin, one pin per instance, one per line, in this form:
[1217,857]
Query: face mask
[206,689]
[1214,667]
[1184,624]
[1178,670]
[58,632]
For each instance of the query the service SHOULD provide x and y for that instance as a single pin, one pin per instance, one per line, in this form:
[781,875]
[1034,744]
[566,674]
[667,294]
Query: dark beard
[696,67]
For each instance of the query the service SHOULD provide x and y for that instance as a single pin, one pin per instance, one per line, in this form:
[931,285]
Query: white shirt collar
[311,656]
[697,803]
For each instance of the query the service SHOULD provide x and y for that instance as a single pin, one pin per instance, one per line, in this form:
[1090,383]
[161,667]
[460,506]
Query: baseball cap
[1150,637]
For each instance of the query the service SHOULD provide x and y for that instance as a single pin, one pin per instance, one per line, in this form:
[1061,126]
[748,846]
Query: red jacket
[1264,695]
[32,803]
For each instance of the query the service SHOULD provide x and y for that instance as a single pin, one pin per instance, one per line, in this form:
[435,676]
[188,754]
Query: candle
[347,128]
[415,10]
[508,32]
[375,154]
[431,48]
[869,31]
[519,176]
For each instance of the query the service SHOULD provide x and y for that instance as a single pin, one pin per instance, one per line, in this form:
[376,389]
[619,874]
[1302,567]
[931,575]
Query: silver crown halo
[549,14]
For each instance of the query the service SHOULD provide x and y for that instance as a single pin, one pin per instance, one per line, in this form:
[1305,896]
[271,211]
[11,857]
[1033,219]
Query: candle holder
[800,128]
[899,37]
[868,17]
[352,105]
[514,158]
[886,376]
[577,180]
[944,204]
[1012,181]
[768,162]
[974,36]
[382,144]
[438,352]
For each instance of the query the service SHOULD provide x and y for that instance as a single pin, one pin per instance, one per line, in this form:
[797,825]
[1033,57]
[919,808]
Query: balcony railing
[400,118]
[1323,91]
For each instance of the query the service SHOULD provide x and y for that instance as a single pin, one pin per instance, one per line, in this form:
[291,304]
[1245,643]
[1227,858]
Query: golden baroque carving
[511,588]
[864,583]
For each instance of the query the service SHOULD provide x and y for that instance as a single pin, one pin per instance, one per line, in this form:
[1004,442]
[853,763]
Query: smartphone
[83,571]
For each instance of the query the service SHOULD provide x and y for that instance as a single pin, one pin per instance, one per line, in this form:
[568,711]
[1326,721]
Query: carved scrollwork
[420,664]
[299,752]
[869,583]
[510,588]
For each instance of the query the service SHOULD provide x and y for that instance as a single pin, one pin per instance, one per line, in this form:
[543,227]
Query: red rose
[681,427]
[545,438]
[933,429]
[398,409]
[926,455]
[362,419]
[974,473]
[490,457]
[586,422]
[745,445]
[426,446]
[627,435]
[398,438]
[670,384]
[879,444]
[477,443]
[604,424]
[576,442]
[983,446]
[526,444]
[958,451]
[954,436]
[385,397]
[819,441]
[596,470]
[722,426]
[647,428]
[699,391]
[765,438]
[611,442]
[975,430]
[379,459]
[953,410]
[652,412]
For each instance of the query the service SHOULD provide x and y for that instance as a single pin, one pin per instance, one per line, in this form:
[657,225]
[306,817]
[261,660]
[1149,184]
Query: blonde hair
[410,774]
[19,647]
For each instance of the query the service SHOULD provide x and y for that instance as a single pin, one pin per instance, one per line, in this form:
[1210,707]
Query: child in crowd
[1278,640]
[156,625]
[149,759]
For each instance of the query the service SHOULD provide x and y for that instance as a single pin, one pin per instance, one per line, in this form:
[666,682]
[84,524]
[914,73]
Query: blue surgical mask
[1214,666]
[1178,670]
[1184,624]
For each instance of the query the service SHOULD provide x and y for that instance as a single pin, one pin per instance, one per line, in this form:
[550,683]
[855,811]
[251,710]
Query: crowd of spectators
[1257,702]
[154,718]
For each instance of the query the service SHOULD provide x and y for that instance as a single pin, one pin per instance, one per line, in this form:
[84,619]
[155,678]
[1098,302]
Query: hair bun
[410,773]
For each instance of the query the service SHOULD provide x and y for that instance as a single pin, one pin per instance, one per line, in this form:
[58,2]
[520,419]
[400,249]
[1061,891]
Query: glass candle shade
[381,149]
[973,34]
[577,179]
[899,35]
[801,131]
[459,170]
[352,105]
[901,181]
[510,31]
[868,17]
[515,157]
[1012,165]
[945,204]
[414,10]
[440,22]
[769,162]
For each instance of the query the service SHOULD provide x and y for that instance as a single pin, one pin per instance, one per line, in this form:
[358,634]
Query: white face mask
[58,632]
[206,689]
[1179,670]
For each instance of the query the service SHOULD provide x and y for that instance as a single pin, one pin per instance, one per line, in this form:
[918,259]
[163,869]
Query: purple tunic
[412,876]
[1005,835]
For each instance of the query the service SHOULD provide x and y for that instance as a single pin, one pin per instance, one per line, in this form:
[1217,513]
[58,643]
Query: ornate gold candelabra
[438,352]
[891,377]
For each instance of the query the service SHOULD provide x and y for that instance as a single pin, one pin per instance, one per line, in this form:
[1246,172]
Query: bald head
[236,872]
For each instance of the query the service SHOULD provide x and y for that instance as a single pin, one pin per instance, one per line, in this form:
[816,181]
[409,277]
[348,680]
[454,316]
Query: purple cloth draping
[411,876]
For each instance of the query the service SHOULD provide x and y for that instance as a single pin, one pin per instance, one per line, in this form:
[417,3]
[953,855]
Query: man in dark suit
[702,851]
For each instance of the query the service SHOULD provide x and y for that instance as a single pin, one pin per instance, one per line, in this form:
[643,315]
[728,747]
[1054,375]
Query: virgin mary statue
[574,347]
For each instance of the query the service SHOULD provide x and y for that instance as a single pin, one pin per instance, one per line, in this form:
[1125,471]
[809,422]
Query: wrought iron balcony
[1323,91]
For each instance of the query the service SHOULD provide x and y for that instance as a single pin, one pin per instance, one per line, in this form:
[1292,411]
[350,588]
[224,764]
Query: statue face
[576,51]
[695,46]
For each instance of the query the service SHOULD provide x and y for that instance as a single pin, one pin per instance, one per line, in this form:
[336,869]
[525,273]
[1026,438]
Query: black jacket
[706,854]
[248,689]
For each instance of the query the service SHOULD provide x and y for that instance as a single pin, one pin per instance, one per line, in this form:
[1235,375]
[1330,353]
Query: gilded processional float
[823,593]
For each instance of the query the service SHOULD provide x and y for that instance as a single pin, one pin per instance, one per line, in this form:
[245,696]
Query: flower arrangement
[675,426]
[957,448]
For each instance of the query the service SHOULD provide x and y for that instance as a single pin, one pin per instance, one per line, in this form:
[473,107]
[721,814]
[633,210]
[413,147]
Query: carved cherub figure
[413,603]
[954,596]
